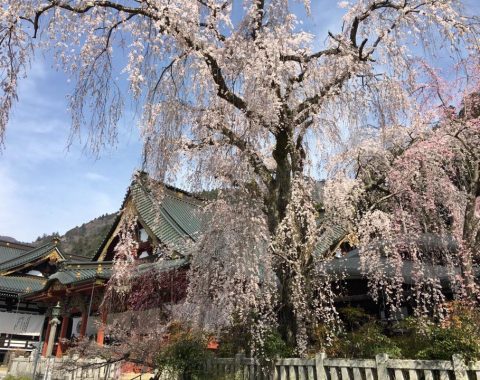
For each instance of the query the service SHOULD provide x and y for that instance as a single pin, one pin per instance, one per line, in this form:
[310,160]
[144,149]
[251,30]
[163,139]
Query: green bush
[275,346]
[354,317]
[458,334]
[413,338]
[236,338]
[185,355]
[366,342]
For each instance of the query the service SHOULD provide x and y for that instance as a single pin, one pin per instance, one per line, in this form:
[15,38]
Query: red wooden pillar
[101,329]
[83,326]
[47,334]
[63,335]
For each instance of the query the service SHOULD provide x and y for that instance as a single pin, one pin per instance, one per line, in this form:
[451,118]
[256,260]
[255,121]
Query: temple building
[23,269]
[79,286]
[34,280]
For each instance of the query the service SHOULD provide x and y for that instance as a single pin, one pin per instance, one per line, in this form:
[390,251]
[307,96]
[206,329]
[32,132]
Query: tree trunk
[280,194]
[286,315]
[470,229]
[280,187]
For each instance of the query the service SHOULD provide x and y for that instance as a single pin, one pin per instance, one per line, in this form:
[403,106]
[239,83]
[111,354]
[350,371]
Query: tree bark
[279,198]
[470,230]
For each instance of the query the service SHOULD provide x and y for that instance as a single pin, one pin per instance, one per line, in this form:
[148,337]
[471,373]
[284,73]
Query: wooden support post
[47,334]
[319,367]
[83,326]
[101,329]
[382,371]
[459,367]
[63,335]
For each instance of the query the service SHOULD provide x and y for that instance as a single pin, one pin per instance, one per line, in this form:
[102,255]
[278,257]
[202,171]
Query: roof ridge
[169,218]
[141,175]
[23,276]
[86,263]
[13,244]
[27,253]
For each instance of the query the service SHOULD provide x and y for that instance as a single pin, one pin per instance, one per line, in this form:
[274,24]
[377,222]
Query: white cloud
[95,177]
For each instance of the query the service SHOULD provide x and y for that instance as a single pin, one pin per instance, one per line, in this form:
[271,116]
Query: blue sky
[45,187]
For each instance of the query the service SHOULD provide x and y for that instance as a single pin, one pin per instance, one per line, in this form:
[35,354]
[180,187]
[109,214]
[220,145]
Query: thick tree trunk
[286,315]
[470,229]
[280,187]
[279,198]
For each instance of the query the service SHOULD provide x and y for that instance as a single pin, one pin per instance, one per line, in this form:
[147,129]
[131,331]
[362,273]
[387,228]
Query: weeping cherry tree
[238,96]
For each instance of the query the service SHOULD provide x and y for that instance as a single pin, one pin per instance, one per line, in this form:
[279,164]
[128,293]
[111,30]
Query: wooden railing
[322,368]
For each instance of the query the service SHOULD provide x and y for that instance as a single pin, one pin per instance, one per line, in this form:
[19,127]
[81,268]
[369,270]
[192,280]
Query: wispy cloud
[45,187]
[95,177]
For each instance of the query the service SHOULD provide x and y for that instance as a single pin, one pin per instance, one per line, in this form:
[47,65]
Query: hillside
[83,240]
[9,239]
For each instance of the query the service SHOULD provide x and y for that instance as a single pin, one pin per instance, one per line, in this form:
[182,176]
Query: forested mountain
[83,240]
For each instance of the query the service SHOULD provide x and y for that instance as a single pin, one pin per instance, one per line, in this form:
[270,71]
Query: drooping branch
[85,8]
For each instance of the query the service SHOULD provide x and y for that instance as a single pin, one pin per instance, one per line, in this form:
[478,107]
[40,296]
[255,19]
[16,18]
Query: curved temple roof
[10,250]
[175,220]
[18,285]
[31,257]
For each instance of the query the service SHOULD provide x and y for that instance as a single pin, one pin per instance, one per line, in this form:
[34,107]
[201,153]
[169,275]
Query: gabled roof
[31,258]
[11,250]
[174,222]
[330,236]
[349,267]
[80,272]
[18,285]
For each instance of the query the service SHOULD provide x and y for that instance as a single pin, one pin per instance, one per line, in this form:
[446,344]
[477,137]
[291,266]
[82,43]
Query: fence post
[239,364]
[319,368]
[459,367]
[382,372]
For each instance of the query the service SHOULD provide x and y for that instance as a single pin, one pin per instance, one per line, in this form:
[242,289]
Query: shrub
[413,338]
[366,342]
[354,317]
[458,334]
[275,346]
[185,355]
[234,339]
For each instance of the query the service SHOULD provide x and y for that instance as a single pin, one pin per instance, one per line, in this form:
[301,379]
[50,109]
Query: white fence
[323,368]
[65,369]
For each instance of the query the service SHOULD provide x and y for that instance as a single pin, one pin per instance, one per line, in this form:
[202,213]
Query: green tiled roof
[9,251]
[162,265]
[184,211]
[74,272]
[332,235]
[29,256]
[78,272]
[349,267]
[175,222]
[20,284]
[157,220]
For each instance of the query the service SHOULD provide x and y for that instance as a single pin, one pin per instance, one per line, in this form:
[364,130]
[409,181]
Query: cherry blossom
[249,104]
